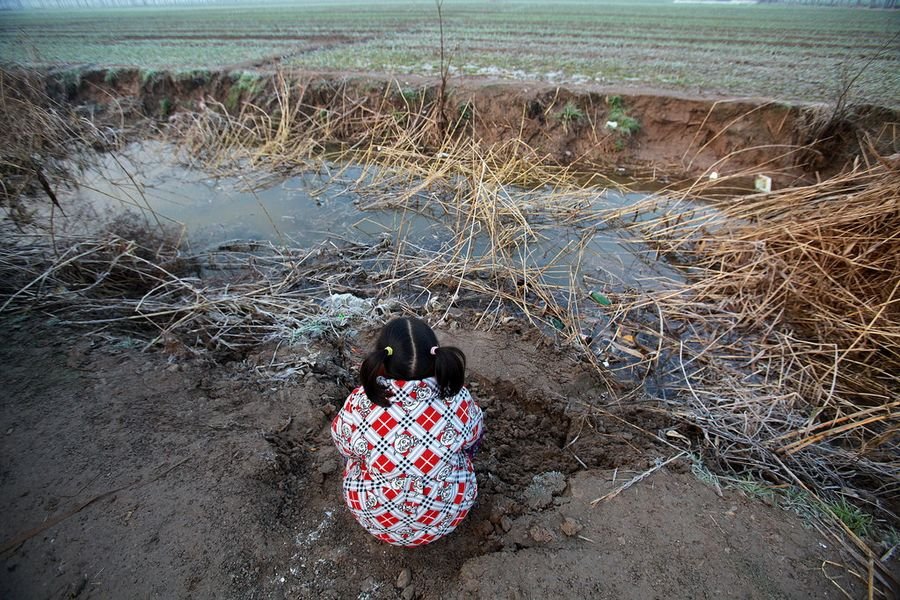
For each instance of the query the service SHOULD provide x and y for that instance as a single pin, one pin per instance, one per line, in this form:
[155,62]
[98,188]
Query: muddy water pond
[325,202]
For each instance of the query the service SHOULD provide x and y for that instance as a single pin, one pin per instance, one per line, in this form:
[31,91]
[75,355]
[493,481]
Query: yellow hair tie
[389,350]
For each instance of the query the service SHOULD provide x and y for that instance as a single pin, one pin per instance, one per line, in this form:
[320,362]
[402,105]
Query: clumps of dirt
[540,492]
[290,461]
[522,437]
[670,536]
[530,431]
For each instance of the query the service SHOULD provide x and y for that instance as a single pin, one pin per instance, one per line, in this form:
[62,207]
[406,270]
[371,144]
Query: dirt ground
[150,475]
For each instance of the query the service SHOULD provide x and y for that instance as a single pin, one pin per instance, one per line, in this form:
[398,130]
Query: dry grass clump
[821,263]
[410,162]
[823,260]
[127,260]
[105,280]
[44,142]
[789,331]
[783,348]
[281,134]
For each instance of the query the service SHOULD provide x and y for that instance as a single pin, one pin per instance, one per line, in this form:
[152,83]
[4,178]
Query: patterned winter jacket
[407,479]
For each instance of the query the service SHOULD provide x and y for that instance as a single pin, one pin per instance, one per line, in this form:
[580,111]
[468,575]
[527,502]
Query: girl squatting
[409,434]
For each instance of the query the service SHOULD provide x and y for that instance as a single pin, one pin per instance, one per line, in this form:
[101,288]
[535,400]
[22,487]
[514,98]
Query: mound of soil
[142,474]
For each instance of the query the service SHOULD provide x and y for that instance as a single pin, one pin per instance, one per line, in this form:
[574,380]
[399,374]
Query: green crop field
[788,52]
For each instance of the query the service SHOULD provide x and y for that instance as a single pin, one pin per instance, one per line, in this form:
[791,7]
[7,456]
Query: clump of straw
[783,347]
[794,308]
[44,142]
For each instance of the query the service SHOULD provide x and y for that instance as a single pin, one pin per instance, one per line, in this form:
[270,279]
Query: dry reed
[783,347]
[791,364]
[46,143]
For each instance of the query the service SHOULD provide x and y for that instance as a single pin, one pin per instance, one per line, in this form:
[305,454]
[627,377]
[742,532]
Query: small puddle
[325,203]
[305,209]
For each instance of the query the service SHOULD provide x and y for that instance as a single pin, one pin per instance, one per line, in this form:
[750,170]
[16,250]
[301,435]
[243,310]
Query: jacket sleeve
[343,425]
[475,424]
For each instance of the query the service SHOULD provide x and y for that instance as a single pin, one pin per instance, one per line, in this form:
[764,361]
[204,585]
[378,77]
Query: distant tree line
[25,4]
[855,3]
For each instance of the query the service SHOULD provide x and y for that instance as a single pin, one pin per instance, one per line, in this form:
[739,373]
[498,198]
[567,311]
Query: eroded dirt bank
[669,135]
[147,474]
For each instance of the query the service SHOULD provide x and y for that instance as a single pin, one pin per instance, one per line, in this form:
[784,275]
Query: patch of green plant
[165,107]
[200,76]
[248,84]
[754,489]
[410,95]
[638,45]
[626,125]
[148,76]
[70,80]
[111,76]
[798,501]
[570,115]
[892,537]
[251,83]
[701,472]
[466,111]
[859,522]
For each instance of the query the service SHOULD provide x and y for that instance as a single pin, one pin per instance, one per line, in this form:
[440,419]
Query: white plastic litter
[763,183]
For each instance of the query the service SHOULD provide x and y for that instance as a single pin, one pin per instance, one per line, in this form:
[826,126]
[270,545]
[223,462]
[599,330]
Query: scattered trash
[600,299]
[763,183]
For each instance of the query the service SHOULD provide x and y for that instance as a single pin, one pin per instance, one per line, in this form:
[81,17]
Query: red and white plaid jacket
[407,479]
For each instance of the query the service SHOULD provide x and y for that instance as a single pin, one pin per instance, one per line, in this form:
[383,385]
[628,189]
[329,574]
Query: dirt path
[223,486]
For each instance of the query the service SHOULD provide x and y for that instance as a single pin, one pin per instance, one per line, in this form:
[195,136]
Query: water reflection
[305,209]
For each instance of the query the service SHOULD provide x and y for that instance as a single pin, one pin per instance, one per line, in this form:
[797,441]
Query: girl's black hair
[411,341]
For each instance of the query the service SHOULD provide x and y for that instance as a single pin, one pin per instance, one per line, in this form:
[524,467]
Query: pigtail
[372,367]
[449,370]
[407,349]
